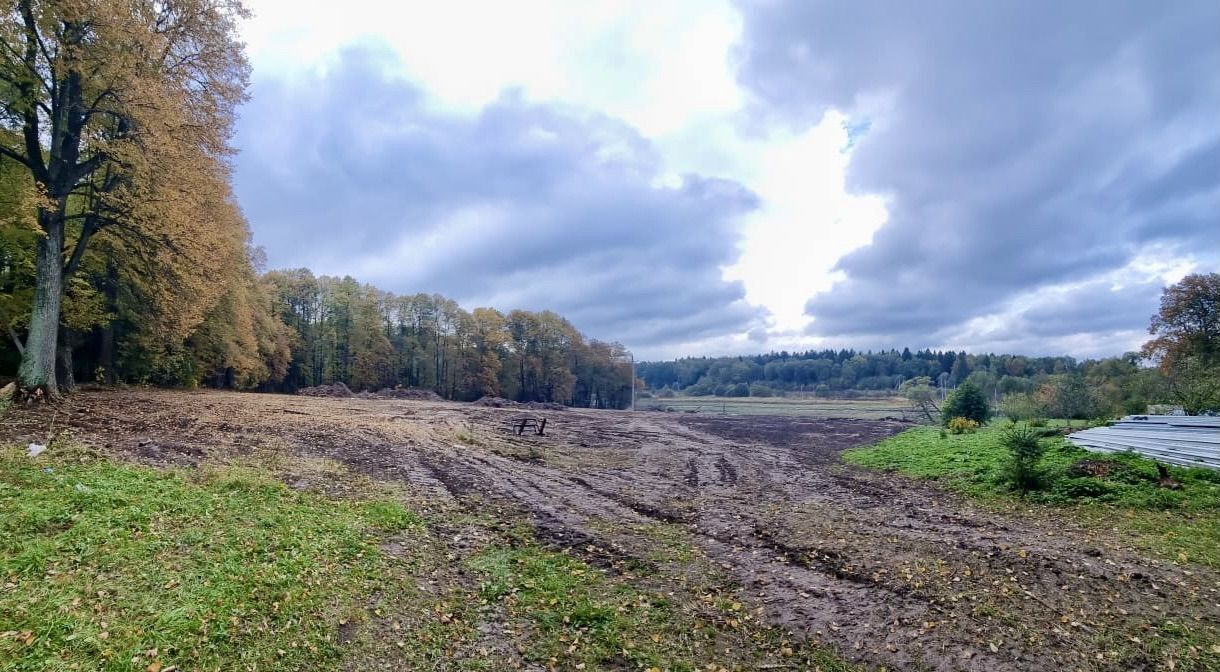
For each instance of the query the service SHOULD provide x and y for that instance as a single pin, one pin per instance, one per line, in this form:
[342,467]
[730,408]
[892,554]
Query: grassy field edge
[1117,492]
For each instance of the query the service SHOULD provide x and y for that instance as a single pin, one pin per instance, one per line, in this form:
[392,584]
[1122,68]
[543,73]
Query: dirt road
[885,570]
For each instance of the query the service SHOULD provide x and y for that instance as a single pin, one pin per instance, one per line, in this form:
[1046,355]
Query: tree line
[342,330]
[836,371]
[1114,385]
[1180,365]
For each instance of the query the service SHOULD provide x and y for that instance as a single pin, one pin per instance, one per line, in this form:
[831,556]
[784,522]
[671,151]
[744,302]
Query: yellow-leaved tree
[123,111]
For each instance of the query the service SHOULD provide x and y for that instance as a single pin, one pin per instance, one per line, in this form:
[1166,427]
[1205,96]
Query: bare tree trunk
[64,366]
[106,356]
[37,371]
[106,353]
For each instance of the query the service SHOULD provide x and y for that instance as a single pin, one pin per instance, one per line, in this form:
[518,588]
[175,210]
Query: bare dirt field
[886,571]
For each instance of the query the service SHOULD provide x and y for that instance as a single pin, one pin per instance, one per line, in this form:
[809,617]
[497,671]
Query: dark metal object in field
[519,425]
[1187,441]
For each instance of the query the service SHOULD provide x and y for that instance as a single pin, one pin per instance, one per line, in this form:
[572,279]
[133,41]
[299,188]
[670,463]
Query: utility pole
[632,380]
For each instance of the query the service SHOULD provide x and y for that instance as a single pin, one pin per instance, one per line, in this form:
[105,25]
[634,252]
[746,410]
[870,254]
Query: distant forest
[851,372]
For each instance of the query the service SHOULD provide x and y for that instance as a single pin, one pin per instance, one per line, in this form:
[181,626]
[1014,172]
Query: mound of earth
[402,393]
[501,402]
[495,402]
[335,390]
[339,390]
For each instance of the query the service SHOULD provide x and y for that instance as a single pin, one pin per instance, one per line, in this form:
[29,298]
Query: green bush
[1024,453]
[738,390]
[1022,407]
[967,401]
[963,426]
[1076,488]
[1159,499]
[703,388]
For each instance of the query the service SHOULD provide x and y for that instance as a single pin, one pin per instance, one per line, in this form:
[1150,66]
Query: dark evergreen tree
[967,401]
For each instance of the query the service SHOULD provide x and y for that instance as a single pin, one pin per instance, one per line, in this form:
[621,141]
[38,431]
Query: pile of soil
[335,390]
[495,402]
[402,393]
[501,402]
[1096,468]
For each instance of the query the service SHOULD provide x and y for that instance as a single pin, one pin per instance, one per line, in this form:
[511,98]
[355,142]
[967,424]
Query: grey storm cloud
[1094,307]
[1019,145]
[348,171]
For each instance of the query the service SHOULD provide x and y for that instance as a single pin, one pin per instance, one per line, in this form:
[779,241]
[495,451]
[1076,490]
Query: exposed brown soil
[886,570]
[501,402]
[335,390]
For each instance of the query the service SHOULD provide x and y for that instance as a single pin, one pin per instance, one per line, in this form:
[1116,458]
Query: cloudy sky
[705,177]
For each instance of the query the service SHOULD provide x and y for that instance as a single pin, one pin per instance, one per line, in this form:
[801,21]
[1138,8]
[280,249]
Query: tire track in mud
[845,597]
[809,594]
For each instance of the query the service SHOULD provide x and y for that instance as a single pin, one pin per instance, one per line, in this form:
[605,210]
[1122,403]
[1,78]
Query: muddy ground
[887,571]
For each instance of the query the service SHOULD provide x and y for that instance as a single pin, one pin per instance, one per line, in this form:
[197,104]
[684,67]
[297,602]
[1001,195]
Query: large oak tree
[124,111]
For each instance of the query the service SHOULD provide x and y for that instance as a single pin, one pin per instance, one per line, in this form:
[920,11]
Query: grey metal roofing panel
[1192,441]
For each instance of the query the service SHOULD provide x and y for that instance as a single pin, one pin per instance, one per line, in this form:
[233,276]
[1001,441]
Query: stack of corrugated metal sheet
[1188,441]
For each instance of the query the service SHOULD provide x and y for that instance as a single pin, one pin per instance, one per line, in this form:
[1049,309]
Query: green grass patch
[115,567]
[1120,490]
[584,618]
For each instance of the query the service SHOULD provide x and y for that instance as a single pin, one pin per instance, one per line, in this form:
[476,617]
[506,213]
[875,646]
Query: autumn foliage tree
[123,111]
[1186,343]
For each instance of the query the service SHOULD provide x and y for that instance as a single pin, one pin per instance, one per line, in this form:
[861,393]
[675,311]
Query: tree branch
[87,166]
[90,226]
[16,340]
[13,334]
[30,130]
[19,158]
[27,13]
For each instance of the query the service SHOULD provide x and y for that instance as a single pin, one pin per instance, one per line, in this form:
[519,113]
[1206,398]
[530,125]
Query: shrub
[1069,396]
[967,401]
[1159,499]
[738,389]
[703,388]
[1080,487]
[961,425]
[1021,407]
[1037,422]
[760,390]
[1024,453]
